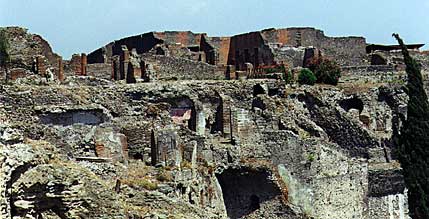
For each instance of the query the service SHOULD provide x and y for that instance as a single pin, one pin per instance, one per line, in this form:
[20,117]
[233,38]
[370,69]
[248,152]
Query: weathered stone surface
[95,146]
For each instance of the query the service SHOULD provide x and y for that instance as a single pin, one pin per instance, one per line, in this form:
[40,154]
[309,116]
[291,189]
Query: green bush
[4,55]
[326,71]
[288,77]
[275,69]
[306,76]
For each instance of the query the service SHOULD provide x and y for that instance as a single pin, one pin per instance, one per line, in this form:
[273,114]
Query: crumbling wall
[249,48]
[259,48]
[170,68]
[24,47]
[245,191]
[346,51]
[143,43]
[100,70]
[216,49]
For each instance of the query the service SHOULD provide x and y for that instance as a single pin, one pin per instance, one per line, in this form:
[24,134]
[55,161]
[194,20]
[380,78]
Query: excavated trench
[245,190]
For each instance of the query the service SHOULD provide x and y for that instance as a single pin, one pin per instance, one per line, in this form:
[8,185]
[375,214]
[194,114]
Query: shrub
[140,183]
[186,164]
[4,55]
[327,71]
[164,176]
[288,77]
[275,69]
[306,77]
[145,183]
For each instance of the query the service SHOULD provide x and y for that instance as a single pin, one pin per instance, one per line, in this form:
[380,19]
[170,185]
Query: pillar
[124,61]
[60,74]
[83,64]
[116,67]
[76,64]
[40,65]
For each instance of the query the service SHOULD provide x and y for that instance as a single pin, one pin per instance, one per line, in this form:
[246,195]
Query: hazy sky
[75,26]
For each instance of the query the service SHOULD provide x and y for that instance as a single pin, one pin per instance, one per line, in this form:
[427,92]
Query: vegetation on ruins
[413,140]
[288,76]
[327,71]
[4,55]
[275,69]
[306,76]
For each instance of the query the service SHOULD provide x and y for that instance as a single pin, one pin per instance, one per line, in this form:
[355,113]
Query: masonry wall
[171,68]
[273,46]
[216,49]
[100,70]
[347,51]
[143,43]
[249,48]
[186,38]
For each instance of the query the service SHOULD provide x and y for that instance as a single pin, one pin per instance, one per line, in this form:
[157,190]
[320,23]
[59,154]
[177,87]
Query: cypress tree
[4,55]
[413,141]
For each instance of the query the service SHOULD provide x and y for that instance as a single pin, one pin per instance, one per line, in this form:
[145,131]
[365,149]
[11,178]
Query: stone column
[124,60]
[60,74]
[76,64]
[83,63]
[116,67]
[40,65]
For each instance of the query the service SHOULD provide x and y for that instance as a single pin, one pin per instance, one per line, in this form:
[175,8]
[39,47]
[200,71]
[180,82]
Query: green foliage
[413,141]
[276,69]
[288,77]
[326,71]
[4,47]
[306,76]
[145,183]
[185,164]
[164,176]
[311,157]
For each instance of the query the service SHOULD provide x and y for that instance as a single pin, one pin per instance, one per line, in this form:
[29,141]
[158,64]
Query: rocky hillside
[259,148]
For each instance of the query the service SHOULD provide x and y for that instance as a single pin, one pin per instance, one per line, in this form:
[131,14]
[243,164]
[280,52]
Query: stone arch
[245,190]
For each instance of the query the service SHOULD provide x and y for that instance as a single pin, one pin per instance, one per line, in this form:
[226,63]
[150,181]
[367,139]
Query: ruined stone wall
[185,38]
[100,70]
[346,51]
[249,48]
[142,43]
[273,131]
[145,42]
[295,37]
[25,46]
[216,49]
[260,47]
[168,68]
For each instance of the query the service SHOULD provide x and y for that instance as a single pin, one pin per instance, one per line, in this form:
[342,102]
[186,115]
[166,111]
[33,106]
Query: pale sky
[75,26]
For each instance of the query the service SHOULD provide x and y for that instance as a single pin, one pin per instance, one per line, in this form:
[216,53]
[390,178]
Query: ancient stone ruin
[185,125]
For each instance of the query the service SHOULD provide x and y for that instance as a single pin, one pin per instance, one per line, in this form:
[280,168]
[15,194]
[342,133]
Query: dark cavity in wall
[352,103]
[258,89]
[75,116]
[245,190]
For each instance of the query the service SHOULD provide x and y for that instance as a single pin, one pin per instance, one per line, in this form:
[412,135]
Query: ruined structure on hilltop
[155,126]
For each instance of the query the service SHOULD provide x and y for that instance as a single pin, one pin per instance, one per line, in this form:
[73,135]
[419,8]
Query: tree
[413,140]
[306,76]
[327,71]
[4,55]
